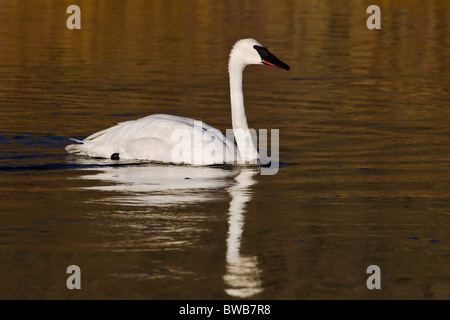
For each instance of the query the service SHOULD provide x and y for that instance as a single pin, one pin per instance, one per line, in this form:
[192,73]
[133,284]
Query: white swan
[157,137]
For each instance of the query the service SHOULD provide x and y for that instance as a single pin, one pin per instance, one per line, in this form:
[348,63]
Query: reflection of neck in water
[242,276]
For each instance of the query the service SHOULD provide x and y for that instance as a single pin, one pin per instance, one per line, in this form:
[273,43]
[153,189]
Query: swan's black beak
[268,58]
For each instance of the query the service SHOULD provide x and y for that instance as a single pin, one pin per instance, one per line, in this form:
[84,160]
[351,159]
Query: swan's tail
[75,148]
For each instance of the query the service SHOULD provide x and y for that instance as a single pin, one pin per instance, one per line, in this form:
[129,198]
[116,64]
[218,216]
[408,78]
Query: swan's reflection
[242,278]
[161,185]
[151,185]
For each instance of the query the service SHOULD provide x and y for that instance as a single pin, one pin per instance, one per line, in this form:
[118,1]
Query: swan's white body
[152,138]
[156,137]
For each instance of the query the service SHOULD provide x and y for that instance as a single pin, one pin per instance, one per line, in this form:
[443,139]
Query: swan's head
[250,51]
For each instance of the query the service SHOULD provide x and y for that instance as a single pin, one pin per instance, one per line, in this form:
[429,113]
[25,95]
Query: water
[364,141]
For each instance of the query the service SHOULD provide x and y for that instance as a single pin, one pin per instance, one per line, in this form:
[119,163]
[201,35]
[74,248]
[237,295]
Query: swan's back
[155,138]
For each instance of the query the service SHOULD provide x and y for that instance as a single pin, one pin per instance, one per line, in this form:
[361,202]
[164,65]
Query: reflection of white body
[152,138]
[161,185]
[170,186]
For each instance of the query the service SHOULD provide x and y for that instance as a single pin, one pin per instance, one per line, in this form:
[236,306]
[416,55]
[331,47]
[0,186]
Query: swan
[180,140]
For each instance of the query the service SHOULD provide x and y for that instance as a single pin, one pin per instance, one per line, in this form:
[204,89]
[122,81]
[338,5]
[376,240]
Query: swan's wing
[212,134]
[150,138]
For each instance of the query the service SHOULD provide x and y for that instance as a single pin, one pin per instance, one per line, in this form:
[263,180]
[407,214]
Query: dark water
[364,118]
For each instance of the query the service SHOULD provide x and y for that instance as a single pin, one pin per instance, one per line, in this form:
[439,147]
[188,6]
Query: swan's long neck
[244,141]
